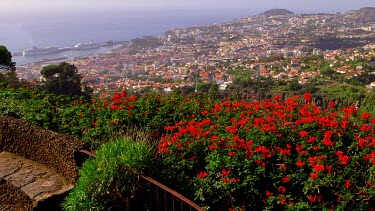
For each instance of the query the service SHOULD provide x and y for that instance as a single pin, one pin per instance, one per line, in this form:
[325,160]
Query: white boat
[39,51]
[108,43]
[85,46]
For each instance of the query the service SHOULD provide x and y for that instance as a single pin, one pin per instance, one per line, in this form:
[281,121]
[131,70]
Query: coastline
[65,54]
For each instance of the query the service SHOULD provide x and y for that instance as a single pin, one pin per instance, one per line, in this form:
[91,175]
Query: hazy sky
[296,5]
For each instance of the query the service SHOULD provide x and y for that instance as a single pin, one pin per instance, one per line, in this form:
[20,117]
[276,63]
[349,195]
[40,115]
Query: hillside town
[272,44]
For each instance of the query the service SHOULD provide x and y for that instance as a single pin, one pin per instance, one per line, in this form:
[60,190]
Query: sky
[49,22]
[294,5]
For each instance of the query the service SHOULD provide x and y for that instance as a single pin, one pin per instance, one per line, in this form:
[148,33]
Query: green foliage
[242,75]
[98,121]
[9,77]
[368,101]
[145,42]
[290,155]
[109,181]
[30,105]
[329,43]
[273,57]
[342,94]
[294,85]
[6,58]
[62,79]
[362,80]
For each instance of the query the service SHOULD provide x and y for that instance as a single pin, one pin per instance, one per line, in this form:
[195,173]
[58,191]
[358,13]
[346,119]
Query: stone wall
[16,200]
[56,151]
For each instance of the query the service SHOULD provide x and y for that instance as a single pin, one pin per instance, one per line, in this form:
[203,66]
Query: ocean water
[22,30]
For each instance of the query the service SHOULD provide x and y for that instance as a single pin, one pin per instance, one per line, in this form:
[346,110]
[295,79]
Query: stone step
[25,184]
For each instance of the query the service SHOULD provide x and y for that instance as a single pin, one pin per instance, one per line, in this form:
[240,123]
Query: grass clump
[109,181]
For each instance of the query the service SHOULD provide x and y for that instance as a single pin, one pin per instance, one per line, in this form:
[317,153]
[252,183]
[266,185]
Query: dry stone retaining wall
[55,151]
[58,152]
[17,199]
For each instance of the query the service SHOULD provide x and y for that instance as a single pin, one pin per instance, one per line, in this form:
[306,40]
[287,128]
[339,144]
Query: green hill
[366,10]
[274,12]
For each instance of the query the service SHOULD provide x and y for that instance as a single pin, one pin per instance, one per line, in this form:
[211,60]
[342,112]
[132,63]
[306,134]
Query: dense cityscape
[249,43]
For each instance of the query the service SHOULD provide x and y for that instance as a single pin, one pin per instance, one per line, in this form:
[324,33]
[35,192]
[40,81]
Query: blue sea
[20,31]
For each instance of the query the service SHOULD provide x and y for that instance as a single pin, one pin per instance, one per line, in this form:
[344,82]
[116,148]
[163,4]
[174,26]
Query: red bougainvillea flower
[313,175]
[303,134]
[312,139]
[132,98]
[327,138]
[314,198]
[285,179]
[167,128]
[331,104]
[347,184]
[225,180]
[281,189]
[94,124]
[318,167]
[329,169]
[105,103]
[344,159]
[236,180]
[307,97]
[277,97]
[212,147]
[202,174]
[225,172]
[114,122]
[366,115]
[300,163]
[268,194]
[231,154]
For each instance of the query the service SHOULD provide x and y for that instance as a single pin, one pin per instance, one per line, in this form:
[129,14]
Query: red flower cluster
[287,146]
[202,174]
[120,101]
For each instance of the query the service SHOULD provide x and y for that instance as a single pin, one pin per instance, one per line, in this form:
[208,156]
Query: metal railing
[160,198]
[154,196]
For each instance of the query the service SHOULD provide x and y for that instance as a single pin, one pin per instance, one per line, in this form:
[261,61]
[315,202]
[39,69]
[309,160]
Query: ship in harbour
[86,46]
[39,51]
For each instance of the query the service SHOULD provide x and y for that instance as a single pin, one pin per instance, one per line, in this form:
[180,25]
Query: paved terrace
[38,167]
[33,179]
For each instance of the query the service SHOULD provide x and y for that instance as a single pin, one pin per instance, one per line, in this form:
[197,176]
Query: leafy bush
[109,181]
[262,155]
[273,155]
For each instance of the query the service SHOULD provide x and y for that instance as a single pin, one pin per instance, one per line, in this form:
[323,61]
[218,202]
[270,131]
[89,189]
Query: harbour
[65,53]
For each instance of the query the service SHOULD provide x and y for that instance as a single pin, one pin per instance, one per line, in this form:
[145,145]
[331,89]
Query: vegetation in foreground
[109,181]
[273,154]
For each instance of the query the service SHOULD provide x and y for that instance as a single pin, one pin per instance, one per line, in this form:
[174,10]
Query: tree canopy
[8,76]
[63,79]
[6,58]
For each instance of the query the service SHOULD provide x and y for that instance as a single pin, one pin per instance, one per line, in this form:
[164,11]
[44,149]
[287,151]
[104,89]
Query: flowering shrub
[231,155]
[273,155]
[109,182]
[98,121]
